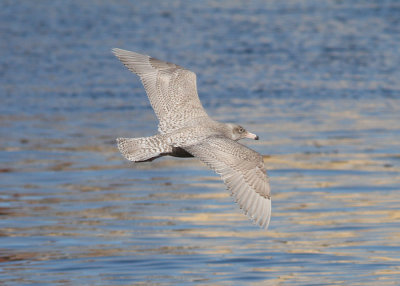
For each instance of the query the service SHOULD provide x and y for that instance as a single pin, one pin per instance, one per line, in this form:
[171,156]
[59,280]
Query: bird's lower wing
[243,172]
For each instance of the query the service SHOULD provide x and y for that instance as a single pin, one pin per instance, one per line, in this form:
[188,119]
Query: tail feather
[144,148]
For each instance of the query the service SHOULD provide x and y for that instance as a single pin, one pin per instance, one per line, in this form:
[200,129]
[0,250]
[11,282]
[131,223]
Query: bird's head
[237,132]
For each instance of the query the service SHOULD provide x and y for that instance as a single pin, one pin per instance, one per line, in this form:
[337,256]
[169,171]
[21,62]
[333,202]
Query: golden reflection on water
[335,206]
[316,80]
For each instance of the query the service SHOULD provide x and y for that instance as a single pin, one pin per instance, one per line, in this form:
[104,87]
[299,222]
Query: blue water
[318,81]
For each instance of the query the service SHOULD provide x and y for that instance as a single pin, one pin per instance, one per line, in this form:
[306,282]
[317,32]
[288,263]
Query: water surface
[316,80]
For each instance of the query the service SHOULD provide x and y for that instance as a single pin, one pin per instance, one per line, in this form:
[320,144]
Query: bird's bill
[251,136]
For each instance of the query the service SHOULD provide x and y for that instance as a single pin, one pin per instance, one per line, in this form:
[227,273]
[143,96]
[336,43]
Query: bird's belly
[180,152]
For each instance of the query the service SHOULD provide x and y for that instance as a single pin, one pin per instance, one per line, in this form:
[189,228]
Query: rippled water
[316,80]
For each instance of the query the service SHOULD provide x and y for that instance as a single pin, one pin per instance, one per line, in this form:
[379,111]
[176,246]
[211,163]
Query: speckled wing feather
[242,170]
[171,89]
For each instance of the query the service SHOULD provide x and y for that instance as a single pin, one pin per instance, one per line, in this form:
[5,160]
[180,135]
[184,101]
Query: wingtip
[259,213]
[264,223]
[129,57]
[118,51]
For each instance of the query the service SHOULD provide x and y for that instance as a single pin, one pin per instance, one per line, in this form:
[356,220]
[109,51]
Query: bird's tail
[144,148]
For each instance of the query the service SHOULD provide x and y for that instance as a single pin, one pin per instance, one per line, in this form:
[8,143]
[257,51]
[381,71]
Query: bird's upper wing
[242,170]
[171,89]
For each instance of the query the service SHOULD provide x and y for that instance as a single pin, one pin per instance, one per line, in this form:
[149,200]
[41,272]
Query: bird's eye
[241,130]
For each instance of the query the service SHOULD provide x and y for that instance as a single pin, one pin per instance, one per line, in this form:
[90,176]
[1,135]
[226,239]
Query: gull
[186,130]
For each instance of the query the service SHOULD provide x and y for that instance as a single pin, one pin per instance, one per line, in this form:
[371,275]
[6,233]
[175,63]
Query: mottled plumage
[186,130]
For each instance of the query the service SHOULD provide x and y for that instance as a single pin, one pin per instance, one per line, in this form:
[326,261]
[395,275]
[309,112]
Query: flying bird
[185,130]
